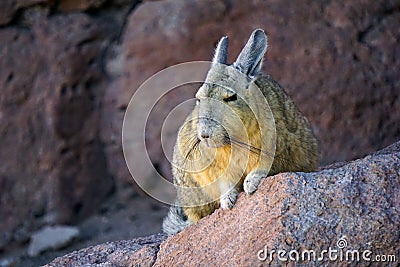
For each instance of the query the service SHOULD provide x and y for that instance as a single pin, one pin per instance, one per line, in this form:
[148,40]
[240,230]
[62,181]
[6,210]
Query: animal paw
[228,200]
[252,181]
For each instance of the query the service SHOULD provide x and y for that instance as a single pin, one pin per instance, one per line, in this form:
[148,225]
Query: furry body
[228,141]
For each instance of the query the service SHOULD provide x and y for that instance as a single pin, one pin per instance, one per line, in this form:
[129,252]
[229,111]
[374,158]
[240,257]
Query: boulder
[355,206]
[51,238]
[51,153]
[137,252]
[76,5]
[12,9]
[9,8]
[351,210]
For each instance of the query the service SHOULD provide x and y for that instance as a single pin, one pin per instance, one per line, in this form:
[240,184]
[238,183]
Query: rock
[353,207]
[51,238]
[75,5]
[7,262]
[358,203]
[339,61]
[136,252]
[51,153]
[9,8]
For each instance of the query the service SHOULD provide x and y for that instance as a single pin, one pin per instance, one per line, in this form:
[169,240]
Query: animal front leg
[253,180]
[228,196]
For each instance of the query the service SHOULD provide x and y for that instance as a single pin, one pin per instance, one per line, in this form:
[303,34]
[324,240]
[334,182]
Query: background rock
[69,68]
[357,202]
[51,153]
[51,237]
[9,8]
[74,5]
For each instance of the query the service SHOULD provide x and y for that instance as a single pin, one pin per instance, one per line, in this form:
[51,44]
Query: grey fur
[175,221]
[250,59]
[221,52]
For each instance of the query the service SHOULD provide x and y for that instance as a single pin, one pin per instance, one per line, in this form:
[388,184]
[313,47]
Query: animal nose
[204,135]
[204,132]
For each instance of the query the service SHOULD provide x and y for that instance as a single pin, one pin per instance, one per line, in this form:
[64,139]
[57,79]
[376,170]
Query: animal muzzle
[211,133]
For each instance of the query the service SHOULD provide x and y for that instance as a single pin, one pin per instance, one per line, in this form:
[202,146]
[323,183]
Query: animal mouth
[209,143]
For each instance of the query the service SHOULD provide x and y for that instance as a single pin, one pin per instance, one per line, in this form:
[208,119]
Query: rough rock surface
[51,153]
[9,8]
[357,202]
[137,252]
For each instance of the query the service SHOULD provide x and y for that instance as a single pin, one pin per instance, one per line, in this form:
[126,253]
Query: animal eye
[231,98]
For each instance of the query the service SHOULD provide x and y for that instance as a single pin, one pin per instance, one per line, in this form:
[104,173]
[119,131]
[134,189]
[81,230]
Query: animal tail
[175,221]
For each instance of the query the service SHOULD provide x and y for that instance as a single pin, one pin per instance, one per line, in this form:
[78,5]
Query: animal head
[223,100]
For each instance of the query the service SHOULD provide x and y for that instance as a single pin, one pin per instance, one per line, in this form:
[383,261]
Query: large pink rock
[346,207]
[357,203]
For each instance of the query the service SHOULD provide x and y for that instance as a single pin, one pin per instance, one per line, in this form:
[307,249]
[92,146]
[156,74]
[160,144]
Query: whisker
[192,148]
[191,139]
[193,144]
[251,148]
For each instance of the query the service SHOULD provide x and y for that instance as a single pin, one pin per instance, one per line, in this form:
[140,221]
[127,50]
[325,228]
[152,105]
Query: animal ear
[221,52]
[250,59]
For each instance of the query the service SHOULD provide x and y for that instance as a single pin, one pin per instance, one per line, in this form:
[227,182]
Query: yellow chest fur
[225,164]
